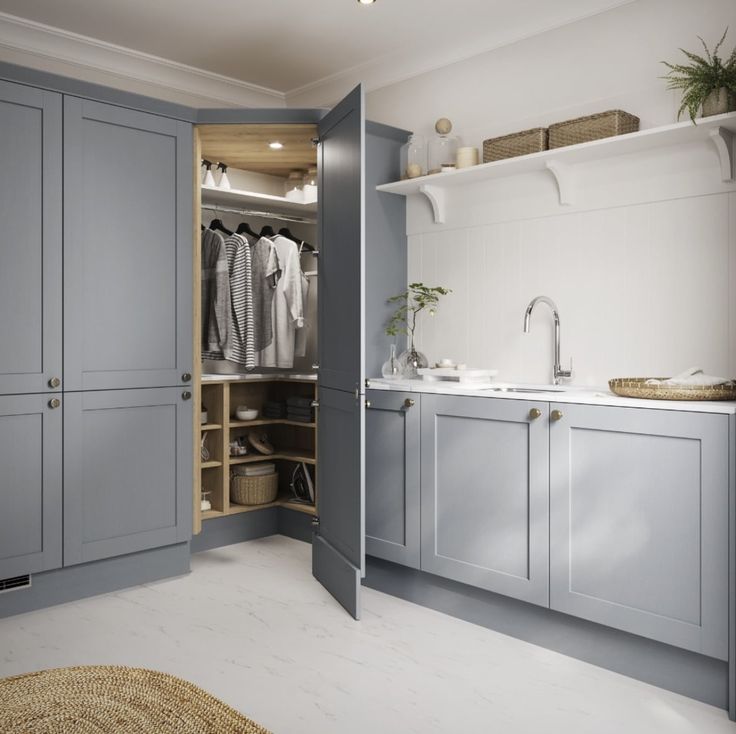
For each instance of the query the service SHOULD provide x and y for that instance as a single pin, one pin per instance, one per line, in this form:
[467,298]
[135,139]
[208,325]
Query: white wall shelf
[561,162]
[251,199]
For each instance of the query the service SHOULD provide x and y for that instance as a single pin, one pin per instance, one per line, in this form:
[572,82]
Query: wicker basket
[254,490]
[592,127]
[637,387]
[510,146]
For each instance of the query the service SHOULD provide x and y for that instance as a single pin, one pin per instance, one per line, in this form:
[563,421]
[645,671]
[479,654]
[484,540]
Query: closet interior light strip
[254,213]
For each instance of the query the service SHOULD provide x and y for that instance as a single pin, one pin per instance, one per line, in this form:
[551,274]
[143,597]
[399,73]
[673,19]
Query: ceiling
[290,46]
[246,147]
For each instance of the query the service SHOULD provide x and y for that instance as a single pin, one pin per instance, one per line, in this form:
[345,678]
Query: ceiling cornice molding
[379,73]
[47,47]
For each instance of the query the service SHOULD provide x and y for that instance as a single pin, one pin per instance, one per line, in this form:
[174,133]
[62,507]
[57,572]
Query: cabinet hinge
[315,142]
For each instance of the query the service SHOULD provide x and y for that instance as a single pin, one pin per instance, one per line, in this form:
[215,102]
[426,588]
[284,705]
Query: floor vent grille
[14,583]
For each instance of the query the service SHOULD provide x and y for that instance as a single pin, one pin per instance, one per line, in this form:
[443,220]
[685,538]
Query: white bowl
[246,414]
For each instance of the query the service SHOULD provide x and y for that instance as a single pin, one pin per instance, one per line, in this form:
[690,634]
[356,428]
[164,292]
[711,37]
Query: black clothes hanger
[267,231]
[217,225]
[245,228]
[286,232]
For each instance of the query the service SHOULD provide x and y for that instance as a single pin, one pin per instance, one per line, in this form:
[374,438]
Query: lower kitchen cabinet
[30,484]
[127,471]
[392,470]
[639,522]
[485,491]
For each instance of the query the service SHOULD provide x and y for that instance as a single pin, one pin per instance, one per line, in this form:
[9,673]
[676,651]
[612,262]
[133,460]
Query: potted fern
[707,83]
[404,321]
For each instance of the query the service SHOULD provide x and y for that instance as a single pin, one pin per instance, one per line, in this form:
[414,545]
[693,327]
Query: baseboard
[681,671]
[295,524]
[100,577]
[220,531]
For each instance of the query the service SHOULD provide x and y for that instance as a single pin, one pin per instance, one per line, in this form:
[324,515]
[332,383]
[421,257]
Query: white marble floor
[251,626]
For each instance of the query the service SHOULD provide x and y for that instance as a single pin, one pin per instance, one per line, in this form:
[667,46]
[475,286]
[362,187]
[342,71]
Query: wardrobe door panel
[128,248]
[127,472]
[30,250]
[30,485]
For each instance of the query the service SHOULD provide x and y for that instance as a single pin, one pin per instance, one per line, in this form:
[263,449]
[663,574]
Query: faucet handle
[565,373]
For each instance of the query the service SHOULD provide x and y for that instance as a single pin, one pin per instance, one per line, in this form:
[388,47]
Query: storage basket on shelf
[510,146]
[255,490]
[592,127]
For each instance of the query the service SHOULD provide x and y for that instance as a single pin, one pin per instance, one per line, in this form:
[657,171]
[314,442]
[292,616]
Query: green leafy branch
[702,76]
[412,302]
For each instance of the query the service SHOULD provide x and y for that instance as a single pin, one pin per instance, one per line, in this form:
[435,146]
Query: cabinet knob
[315,403]
[54,403]
[186,377]
[535,413]
[409,403]
[556,415]
[315,366]
[186,395]
[54,382]
[367,403]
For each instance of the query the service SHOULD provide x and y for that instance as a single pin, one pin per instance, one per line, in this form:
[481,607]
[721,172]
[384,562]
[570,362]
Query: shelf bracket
[436,196]
[564,177]
[723,139]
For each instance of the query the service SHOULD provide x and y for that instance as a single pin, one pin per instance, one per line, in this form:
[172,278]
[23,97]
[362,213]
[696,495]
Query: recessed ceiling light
[276,145]
[366,2]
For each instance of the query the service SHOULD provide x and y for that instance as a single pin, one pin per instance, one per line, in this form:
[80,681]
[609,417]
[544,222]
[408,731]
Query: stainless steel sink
[529,389]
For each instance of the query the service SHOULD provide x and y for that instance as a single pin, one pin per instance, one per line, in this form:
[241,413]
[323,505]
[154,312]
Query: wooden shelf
[561,162]
[210,427]
[289,455]
[271,422]
[240,509]
[209,514]
[210,464]
[299,507]
[239,198]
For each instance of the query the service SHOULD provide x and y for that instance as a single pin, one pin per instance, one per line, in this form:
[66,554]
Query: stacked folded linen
[692,377]
[254,470]
[273,409]
[299,409]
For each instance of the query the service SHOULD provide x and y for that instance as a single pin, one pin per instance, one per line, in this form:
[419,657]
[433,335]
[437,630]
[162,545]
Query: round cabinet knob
[54,382]
[186,395]
[186,377]
[556,415]
[367,403]
[54,403]
[409,403]
[535,413]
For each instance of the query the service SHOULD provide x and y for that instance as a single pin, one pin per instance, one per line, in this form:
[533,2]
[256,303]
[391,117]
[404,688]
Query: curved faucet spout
[557,371]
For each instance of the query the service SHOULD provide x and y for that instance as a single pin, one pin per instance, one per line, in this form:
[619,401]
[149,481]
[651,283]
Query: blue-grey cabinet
[127,471]
[485,492]
[392,476]
[30,240]
[30,484]
[639,522]
[127,247]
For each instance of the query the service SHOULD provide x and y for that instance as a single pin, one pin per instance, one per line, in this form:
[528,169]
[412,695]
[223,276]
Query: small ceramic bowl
[244,413]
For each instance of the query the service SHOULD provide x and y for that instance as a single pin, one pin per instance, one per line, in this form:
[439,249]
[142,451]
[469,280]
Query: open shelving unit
[214,195]
[720,130]
[293,441]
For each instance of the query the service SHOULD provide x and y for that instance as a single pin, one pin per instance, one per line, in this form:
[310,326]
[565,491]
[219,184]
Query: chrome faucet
[557,371]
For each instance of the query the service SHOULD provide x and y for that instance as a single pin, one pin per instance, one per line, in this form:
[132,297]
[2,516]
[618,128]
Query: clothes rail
[254,213]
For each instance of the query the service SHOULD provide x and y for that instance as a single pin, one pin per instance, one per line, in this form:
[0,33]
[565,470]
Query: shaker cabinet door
[392,501]
[128,248]
[639,522]
[485,494]
[127,472]
[30,484]
[30,239]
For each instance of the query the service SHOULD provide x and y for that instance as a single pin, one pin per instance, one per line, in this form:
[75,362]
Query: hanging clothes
[287,308]
[300,344]
[263,287]
[239,346]
[215,295]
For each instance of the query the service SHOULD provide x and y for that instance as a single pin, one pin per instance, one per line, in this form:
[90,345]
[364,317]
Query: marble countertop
[567,394]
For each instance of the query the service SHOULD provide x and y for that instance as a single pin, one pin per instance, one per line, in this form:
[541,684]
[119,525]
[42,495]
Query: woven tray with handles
[636,387]
[254,490]
[510,146]
[592,127]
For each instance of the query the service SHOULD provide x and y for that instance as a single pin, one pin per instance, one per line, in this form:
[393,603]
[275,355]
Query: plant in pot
[411,303]
[707,83]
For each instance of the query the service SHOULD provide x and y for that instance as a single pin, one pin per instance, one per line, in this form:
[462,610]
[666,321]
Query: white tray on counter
[451,374]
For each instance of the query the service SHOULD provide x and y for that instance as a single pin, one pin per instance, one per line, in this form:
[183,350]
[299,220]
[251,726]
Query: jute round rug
[113,700]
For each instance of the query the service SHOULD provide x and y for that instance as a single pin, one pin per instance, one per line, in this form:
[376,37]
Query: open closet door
[338,552]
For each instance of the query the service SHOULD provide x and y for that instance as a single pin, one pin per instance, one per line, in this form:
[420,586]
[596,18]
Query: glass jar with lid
[442,147]
[309,186]
[294,187]
[414,157]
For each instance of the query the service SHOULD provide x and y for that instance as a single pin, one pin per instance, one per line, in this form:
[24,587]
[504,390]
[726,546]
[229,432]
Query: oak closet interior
[269,190]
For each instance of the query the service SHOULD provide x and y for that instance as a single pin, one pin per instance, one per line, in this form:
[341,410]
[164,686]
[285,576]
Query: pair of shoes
[259,441]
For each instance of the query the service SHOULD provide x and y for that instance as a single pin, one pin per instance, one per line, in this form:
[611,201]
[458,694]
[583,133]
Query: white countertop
[569,394]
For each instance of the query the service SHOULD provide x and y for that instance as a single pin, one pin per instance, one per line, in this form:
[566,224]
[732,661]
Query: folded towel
[297,402]
[692,377]
[300,418]
[299,411]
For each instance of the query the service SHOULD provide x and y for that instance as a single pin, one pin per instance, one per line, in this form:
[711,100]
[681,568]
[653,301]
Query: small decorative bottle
[391,369]
[442,148]
[414,157]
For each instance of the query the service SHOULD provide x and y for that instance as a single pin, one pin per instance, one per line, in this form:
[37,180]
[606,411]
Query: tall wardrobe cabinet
[95,323]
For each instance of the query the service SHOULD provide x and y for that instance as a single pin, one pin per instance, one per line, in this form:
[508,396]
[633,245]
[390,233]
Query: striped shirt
[239,346]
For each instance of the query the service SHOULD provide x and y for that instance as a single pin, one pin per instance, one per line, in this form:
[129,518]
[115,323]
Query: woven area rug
[113,700]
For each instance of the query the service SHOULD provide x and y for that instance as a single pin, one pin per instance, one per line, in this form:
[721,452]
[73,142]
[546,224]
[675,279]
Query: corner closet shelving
[239,198]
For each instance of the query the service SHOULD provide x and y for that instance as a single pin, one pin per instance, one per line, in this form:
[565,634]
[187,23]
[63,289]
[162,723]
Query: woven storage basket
[592,127]
[254,490]
[509,146]
[636,387]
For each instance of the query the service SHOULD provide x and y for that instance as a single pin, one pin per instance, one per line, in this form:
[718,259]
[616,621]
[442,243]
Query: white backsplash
[642,289]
